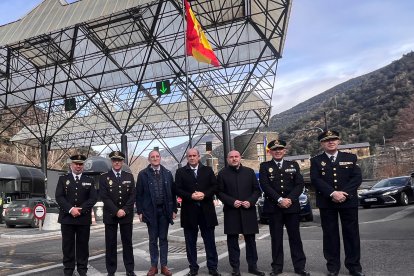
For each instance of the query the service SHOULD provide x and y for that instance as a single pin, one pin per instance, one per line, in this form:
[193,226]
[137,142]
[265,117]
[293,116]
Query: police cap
[328,135]
[117,155]
[78,158]
[276,144]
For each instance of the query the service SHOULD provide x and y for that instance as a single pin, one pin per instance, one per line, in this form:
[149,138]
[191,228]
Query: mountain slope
[372,108]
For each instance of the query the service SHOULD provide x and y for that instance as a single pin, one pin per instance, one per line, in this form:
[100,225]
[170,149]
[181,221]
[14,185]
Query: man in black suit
[336,178]
[282,184]
[196,184]
[239,191]
[117,191]
[76,195]
[157,207]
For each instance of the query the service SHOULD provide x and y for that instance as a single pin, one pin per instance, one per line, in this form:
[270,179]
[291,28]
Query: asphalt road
[387,240]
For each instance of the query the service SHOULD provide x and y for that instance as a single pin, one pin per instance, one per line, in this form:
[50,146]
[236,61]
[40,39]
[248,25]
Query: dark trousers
[331,238]
[207,233]
[291,221]
[158,232]
[234,250]
[75,246]
[111,246]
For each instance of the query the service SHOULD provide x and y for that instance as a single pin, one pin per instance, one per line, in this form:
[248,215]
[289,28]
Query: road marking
[398,215]
[221,256]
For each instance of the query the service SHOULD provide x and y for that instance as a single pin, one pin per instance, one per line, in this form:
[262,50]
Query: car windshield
[15,204]
[391,182]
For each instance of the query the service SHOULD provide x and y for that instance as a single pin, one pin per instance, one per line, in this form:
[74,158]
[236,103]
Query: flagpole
[187,92]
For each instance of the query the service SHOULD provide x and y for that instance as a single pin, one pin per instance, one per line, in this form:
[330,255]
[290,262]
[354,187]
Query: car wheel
[10,225]
[309,217]
[366,206]
[403,199]
[35,223]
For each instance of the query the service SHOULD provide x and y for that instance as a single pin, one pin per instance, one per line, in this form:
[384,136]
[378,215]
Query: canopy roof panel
[108,54]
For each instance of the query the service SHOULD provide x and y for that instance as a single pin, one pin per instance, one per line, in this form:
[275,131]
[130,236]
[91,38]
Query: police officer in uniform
[76,195]
[117,191]
[282,184]
[336,178]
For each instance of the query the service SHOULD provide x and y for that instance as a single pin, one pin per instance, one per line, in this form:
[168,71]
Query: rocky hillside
[376,108]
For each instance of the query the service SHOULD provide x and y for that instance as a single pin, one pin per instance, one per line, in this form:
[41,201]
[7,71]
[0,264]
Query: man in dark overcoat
[117,191]
[156,206]
[282,184]
[76,196]
[239,191]
[336,178]
[196,184]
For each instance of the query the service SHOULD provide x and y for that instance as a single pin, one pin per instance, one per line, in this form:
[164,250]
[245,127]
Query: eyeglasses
[193,155]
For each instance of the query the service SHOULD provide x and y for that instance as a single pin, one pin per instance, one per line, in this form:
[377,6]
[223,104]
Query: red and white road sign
[39,211]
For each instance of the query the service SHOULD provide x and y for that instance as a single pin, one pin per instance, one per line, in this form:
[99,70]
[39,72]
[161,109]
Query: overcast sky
[328,42]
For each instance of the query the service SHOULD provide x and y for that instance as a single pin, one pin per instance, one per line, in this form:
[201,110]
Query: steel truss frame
[110,66]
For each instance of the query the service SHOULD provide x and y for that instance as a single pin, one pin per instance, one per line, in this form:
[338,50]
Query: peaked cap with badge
[78,158]
[328,135]
[276,144]
[117,155]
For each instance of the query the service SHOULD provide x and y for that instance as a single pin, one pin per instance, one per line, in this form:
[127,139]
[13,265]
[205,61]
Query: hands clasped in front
[244,204]
[121,213]
[285,203]
[339,196]
[197,196]
[76,212]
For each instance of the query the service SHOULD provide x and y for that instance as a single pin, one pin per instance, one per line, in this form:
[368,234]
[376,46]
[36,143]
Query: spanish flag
[197,43]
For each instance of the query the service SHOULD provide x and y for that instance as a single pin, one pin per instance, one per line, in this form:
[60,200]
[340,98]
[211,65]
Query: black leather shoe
[214,272]
[111,274]
[192,273]
[356,273]
[333,273]
[131,273]
[255,271]
[275,272]
[235,272]
[302,272]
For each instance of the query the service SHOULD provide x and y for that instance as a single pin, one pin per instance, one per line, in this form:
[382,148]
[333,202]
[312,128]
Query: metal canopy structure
[105,56]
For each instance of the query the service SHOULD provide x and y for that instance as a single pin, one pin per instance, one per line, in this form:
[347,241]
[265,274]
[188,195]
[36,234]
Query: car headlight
[390,193]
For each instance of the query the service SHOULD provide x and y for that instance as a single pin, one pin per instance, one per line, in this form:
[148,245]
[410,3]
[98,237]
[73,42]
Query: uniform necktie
[76,178]
[118,175]
[278,165]
[195,173]
[332,158]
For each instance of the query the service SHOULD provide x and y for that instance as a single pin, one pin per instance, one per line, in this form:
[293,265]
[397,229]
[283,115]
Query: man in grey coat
[239,191]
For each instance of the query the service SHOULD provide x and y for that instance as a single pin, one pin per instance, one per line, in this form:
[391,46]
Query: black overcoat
[342,175]
[186,184]
[117,194]
[239,184]
[70,194]
[286,182]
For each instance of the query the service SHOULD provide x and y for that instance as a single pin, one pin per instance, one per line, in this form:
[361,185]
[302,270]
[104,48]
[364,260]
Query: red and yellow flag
[197,43]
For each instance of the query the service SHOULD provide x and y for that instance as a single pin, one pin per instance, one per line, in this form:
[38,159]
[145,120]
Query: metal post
[226,139]
[124,147]
[43,162]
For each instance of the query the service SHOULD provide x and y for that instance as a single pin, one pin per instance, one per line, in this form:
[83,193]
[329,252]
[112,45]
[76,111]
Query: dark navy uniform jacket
[286,182]
[117,194]
[342,175]
[71,194]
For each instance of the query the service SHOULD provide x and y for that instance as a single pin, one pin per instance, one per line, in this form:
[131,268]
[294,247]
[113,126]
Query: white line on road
[221,256]
[398,215]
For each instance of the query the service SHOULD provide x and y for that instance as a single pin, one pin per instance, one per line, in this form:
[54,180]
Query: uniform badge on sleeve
[67,182]
[270,170]
[323,163]
[110,182]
